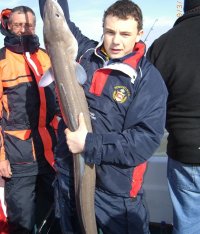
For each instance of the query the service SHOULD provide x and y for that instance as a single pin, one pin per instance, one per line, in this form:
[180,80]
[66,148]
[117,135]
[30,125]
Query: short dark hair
[21,10]
[123,9]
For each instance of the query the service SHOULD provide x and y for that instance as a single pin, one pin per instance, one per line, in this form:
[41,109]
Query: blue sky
[88,16]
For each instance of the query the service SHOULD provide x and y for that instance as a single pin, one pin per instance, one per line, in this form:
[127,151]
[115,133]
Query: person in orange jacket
[27,120]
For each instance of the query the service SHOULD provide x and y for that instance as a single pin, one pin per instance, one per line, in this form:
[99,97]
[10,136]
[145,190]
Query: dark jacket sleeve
[155,53]
[143,127]
[150,54]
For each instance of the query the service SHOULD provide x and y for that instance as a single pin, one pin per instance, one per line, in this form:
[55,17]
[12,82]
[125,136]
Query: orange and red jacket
[27,111]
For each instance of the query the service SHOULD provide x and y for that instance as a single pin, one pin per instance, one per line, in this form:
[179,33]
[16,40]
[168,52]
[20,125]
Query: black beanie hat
[190,4]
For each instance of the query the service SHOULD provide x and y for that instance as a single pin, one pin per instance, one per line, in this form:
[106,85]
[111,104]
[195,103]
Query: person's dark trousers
[28,201]
[65,204]
[45,213]
[120,215]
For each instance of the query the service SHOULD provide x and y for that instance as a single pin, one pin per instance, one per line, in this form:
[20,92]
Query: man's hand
[5,169]
[76,140]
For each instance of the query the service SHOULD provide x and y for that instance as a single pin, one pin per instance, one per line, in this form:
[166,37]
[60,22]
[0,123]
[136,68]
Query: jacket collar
[131,59]
[22,44]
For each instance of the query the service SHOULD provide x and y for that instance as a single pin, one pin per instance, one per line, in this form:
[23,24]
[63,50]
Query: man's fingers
[5,173]
[5,169]
[67,131]
[9,170]
[81,121]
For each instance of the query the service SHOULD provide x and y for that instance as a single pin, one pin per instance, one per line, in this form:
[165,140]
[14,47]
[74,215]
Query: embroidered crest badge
[120,94]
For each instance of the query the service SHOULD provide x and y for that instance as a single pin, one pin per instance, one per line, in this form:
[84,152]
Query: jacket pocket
[19,146]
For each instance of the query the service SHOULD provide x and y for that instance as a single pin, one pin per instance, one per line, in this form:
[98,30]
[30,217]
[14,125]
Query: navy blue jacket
[128,110]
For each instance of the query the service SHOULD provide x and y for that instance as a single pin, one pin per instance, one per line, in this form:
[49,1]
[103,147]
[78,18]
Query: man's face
[120,36]
[22,24]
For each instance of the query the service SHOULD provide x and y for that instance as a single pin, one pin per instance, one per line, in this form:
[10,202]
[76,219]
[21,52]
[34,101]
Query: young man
[127,101]
[27,116]
[176,55]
